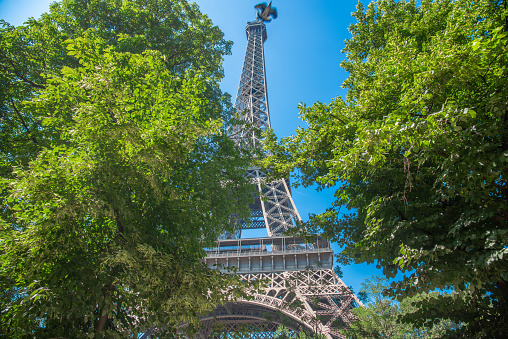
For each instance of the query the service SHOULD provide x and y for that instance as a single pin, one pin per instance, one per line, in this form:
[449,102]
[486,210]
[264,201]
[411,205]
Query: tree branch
[19,75]
[23,122]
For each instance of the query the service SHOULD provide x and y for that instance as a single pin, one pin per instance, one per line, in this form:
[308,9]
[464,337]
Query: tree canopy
[381,317]
[418,154]
[116,170]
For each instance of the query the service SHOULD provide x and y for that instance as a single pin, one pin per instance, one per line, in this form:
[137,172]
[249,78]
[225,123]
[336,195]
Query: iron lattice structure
[252,97]
[303,291]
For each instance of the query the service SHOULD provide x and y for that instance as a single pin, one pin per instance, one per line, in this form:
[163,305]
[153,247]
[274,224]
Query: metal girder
[252,97]
[312,300]
[273,207]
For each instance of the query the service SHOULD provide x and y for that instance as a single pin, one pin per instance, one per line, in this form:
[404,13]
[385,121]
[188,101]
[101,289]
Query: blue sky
[302,60]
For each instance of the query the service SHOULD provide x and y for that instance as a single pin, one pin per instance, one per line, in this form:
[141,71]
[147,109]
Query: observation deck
[271,254]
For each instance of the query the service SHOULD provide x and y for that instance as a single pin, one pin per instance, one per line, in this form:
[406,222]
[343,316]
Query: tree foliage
[381,318]
[418,152]
[116,170]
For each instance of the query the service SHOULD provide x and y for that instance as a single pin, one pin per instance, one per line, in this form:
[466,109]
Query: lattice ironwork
[303,292]
[312,300]
[274,208]
[252,97]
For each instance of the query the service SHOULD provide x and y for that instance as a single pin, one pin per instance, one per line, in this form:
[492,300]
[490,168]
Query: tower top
[265,11]
[252,97]
[256,27]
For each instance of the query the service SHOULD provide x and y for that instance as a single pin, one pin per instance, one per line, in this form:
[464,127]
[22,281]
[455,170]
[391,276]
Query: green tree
[186,38]
[418,152]
[381,318]
[116,170]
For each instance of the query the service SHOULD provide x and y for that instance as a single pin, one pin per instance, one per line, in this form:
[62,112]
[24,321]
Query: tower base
[313,301]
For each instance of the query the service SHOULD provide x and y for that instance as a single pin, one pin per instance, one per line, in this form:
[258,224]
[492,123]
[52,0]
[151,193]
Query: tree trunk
[101,323]
[502,285]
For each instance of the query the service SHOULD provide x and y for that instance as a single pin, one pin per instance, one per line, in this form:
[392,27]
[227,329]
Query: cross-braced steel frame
[252,97]
[303,292]
[312,300]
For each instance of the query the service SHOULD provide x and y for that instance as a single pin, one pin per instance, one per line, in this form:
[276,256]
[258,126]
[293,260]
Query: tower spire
[252,97]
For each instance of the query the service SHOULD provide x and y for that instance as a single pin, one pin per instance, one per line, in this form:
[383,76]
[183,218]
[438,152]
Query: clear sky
[303,55]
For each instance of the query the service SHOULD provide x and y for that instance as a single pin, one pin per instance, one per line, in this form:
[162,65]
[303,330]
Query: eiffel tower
[303,292]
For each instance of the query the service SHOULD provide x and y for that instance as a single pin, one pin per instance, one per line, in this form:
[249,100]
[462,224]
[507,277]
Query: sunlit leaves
[121,172]
[382,317]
